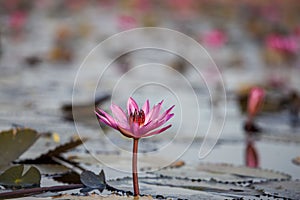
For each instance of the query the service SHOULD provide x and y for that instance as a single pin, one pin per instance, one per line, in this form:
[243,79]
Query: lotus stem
[134,167]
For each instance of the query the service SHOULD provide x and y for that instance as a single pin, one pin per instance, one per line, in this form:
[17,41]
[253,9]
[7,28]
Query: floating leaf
[69,178]
[281,189]
[69,110]
[93,181]
[242,171]
[47,157]
[98,197]
[223,173]
[14,142]
[51,169]
[64,147]
[163,188]
[14,177]
[205,186]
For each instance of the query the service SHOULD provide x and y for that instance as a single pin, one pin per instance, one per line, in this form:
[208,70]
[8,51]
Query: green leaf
[12,174]
[31,178]
[14,143]
[14,178]
[93,181]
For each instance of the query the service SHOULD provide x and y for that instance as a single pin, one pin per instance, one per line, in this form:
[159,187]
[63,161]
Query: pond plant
[136,124]
[255,102]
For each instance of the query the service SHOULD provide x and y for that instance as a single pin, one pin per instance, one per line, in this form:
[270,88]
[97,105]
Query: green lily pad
[14,143]
[14,177]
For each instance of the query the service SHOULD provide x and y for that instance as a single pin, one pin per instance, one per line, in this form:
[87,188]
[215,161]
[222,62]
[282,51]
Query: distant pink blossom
[255,100]
[126,22]
[138,122]
[17,20]
[288,44]
[214,38]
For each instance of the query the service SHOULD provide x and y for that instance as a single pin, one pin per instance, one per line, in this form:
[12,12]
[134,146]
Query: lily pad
[93,181]
[84,109]
[224,173]
[51,169]
[14,143]
[69,178]
[46,158]
[98,197]
[244,172]
[227,190]
[281,189]
[169,188]
[15,177]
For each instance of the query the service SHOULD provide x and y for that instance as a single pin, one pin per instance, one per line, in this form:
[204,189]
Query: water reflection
[251,153]
[255,101]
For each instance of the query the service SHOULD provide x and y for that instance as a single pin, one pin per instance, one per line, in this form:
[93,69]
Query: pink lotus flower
[255,101]
[138,122]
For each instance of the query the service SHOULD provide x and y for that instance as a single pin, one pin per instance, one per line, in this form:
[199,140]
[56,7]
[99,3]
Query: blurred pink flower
[215,38]
[126,22]
[255,101]
[138,122]
[17,20]
[287,44]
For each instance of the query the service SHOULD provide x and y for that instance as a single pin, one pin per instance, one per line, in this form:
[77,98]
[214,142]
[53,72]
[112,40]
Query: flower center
[137,117]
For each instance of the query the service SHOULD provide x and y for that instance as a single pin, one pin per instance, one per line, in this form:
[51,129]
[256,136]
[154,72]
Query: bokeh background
[253,43]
